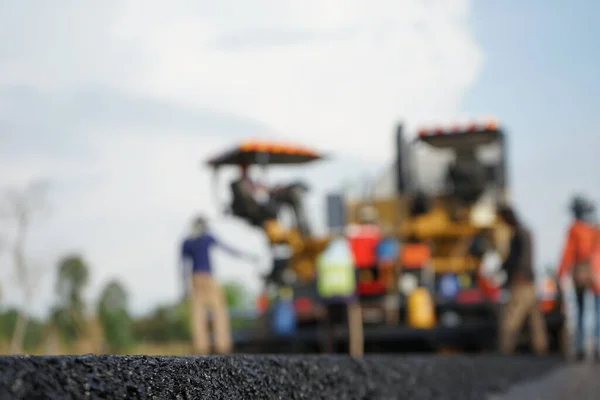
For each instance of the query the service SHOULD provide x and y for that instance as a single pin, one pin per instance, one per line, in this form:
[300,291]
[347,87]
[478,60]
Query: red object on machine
[491,290]
[373,287]
[363,241]
[470,296]
[303,304]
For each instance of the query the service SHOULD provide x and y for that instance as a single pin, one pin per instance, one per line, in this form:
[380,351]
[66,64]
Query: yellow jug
[420,309]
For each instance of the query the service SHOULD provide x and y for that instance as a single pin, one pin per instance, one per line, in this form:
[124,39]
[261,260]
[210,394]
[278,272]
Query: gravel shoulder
[266,377]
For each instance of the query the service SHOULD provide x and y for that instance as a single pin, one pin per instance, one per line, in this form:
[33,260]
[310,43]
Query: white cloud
[334,74]
[350,74]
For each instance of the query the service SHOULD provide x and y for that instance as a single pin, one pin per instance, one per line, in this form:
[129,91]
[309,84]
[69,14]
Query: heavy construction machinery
[294,247]
[441,197]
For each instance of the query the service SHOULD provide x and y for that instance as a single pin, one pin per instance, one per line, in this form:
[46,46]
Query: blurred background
[108,111]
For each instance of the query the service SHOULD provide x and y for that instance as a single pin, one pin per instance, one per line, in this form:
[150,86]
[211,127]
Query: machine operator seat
[292,195]
[242,205]
[245,206]
[466,178]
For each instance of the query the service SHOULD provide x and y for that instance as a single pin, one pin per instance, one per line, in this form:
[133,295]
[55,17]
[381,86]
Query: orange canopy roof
[265,151]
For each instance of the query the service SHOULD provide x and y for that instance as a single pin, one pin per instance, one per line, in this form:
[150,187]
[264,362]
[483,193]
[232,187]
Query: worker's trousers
[580,331]
[208,295]
[522,305]
[355,327]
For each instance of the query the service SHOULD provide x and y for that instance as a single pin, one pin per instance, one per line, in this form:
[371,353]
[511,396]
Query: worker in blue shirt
[206,291]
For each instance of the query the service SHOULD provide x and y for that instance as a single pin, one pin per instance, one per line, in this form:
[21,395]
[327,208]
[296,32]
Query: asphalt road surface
[575,382]
[267,377]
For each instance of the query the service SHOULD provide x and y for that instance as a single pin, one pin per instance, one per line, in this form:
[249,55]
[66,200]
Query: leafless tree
[21,206]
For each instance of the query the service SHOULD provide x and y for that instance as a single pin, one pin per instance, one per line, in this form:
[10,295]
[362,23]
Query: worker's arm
[515,254]
[568,255]
[233,251]
[185,259]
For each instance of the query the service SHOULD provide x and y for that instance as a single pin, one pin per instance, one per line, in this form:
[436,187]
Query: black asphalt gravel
[266,377]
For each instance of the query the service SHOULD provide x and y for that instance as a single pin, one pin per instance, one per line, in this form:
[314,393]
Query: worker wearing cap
[206,291]
[522,304]
[582,244]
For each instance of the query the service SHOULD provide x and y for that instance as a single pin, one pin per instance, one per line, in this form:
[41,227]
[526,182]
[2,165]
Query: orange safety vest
[583,243]
[363,241]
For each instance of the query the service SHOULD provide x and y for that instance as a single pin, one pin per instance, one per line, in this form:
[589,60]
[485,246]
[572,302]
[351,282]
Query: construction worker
[251,199]
[521,284]
[206,291]
[336,284]
[582,242]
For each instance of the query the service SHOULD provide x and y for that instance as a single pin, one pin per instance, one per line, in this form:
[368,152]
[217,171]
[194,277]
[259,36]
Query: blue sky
[116,107]
[540,78]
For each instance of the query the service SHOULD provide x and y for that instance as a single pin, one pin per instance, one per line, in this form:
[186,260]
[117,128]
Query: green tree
[114,317]
[165,323]
[237,299]
[235,294]
[33,335]
[73,276]
[68,316]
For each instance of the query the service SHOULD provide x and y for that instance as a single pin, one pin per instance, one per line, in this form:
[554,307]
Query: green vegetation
[72,325]
[34,334]
[69,316]
[171,322]
[119,332]
[114,318]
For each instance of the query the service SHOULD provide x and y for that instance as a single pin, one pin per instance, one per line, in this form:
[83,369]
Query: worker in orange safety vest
[581,256]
